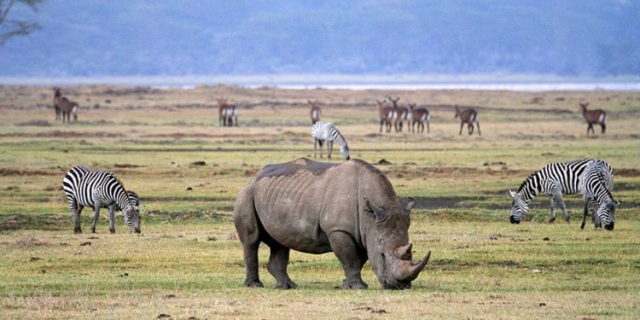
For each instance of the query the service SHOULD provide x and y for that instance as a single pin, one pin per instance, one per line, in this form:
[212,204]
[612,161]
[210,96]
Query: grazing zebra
[555,179]
[65,106]
[85,187]
[597,116]
[315,111]
[324,132]
[468,116]
[386,115]
[596,185]
[419,116]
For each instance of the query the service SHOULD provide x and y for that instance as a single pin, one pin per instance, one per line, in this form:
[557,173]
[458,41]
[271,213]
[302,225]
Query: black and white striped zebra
[324,132]
[596,185]
[555,179]
[97,189]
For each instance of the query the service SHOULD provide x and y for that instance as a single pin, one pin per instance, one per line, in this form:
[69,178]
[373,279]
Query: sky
[570,38]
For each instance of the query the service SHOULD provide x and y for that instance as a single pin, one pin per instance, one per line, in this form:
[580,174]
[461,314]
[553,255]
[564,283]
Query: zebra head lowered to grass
[324,132]
[97,189]
[554,179]
[596,185]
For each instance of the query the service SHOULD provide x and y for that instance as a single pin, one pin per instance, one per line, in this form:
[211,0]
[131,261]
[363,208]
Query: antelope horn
[409,272]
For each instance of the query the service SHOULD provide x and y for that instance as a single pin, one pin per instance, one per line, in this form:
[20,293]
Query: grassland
[188,262]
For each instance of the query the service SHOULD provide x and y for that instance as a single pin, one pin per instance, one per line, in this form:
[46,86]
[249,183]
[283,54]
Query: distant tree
[10,28]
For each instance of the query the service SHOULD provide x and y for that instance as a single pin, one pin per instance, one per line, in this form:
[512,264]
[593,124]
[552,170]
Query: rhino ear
[379,212]
[411,203]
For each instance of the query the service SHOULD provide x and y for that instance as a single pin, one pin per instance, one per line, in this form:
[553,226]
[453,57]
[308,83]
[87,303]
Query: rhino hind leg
[277,266]
[352,261]
[248,228]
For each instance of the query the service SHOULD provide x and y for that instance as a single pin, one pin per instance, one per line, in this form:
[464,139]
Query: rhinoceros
[314,207]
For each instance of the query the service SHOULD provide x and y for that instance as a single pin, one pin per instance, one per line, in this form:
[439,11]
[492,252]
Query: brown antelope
[468,116]
[56,95]
[315,111]
[597,116]
[399,114]
[222,104]
[385,114]
[230,115]
[66,107]
[419,116]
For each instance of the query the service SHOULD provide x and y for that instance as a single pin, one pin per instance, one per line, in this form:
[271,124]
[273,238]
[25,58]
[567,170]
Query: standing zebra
[468,116]
[324,132]
[596,116]
[85,187]
[555,179]
[596,185]
[315,111]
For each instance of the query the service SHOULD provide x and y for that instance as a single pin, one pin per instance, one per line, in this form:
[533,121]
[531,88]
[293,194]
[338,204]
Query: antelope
[56,95]
[385,114]
[597,116]
[230,115]
[399,115]
[66,107]
[222,104]
[468,116]
[315,111]
[419,116]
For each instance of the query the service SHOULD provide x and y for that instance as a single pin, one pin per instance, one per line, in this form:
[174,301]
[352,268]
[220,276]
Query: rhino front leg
[277,266]
[346,250]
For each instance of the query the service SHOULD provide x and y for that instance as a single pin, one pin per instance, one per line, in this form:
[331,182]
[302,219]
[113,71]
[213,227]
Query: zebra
[596,185]
[555,179]
[97,189]
[326,132]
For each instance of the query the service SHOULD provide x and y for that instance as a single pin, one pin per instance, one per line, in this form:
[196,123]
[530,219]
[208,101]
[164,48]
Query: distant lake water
[339,82]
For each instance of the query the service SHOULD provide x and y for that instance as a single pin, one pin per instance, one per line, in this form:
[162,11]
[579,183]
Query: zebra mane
[527,181]
[601,178]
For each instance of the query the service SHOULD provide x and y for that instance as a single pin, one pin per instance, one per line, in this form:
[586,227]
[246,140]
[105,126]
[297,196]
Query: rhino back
[300,202]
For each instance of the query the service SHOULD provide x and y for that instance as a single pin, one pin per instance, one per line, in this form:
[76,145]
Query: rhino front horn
[411,270]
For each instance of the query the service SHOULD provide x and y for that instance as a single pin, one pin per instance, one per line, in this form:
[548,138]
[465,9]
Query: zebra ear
[512,194]
[616,203]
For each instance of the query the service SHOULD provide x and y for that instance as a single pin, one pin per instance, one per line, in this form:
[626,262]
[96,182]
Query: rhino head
[388,246]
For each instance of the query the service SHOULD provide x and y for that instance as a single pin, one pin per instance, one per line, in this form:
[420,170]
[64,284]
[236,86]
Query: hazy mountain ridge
[91,37]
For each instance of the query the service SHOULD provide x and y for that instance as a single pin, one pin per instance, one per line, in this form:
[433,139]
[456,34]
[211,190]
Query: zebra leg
[277,266]
[76,210]
[347,252]
[553,207]
[584,215]
[560,202]
[112,219]
[478,124]
[329,149]
[315,146]
[96,215]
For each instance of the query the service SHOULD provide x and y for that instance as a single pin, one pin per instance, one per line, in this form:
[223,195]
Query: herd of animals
[348,208]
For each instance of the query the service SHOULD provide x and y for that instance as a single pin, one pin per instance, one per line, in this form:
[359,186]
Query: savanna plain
[187,264]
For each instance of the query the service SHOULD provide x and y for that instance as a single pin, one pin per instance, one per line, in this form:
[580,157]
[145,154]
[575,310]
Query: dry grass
[188,262]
